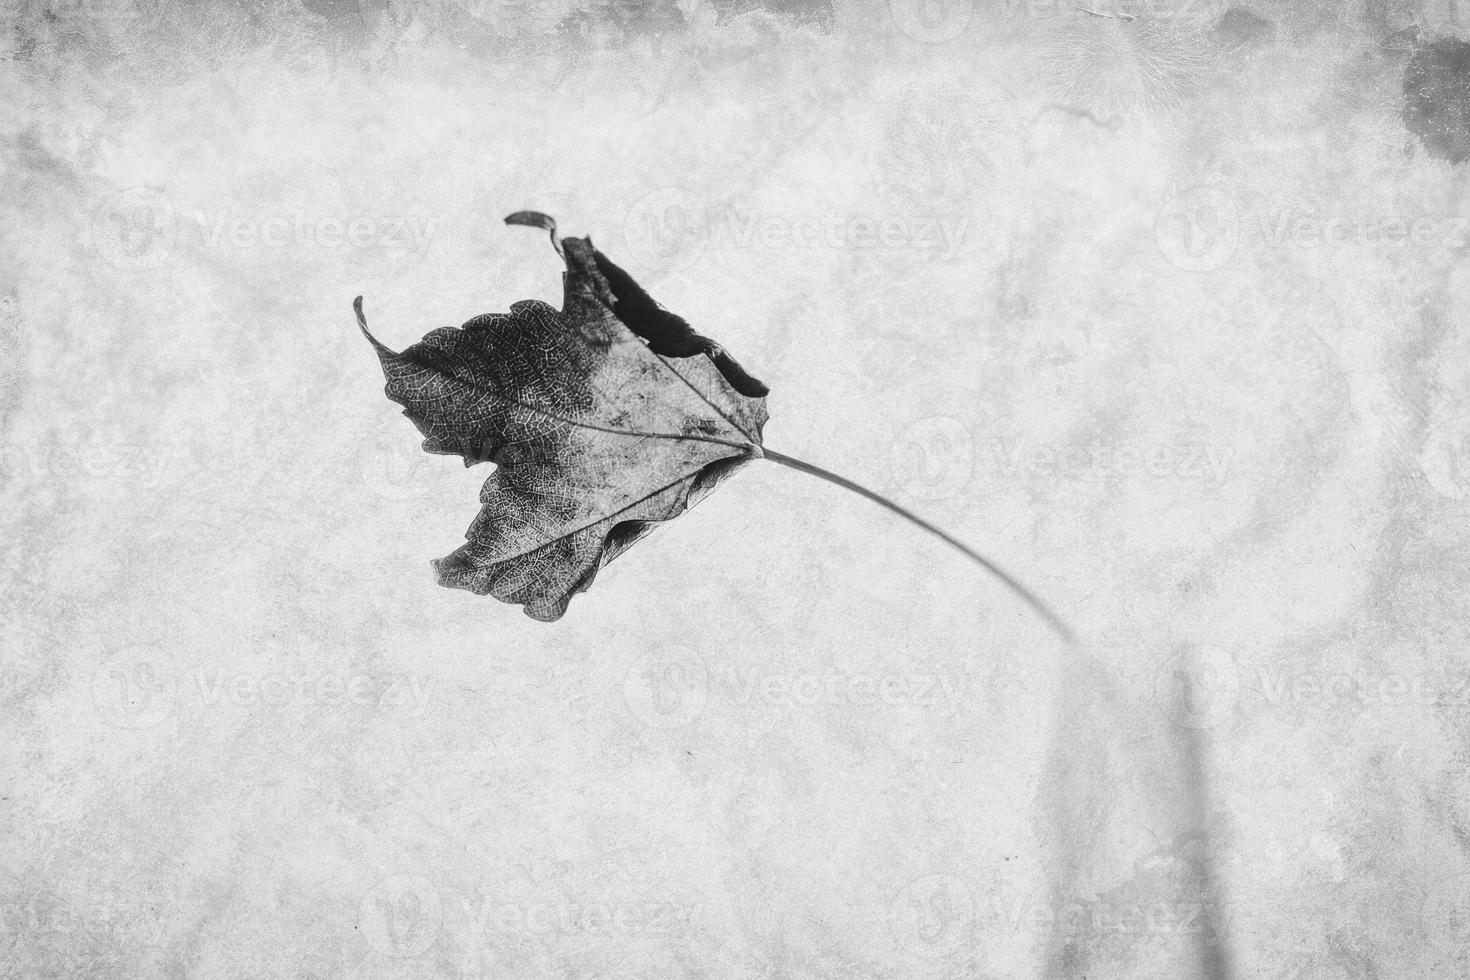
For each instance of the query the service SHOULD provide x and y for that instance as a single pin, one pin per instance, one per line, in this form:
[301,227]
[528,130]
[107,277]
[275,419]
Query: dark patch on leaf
[596,435]
[603,418]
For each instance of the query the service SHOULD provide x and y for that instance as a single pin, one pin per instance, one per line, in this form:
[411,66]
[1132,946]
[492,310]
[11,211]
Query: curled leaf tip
[532,219]
[362,325]
[535,219]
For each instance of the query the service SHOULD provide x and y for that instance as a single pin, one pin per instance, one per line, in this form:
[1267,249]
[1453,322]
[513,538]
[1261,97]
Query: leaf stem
[1030,598]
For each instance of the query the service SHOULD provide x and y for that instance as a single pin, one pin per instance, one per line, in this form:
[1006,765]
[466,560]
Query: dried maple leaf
[602,419]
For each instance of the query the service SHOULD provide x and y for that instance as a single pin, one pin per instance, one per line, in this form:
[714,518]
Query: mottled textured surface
[593,436]
[1166,314]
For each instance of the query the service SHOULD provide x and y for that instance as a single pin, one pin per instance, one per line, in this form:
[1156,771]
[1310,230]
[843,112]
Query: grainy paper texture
[1161,305]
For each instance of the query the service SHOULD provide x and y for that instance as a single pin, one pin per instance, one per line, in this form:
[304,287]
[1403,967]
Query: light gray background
[1050,279]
